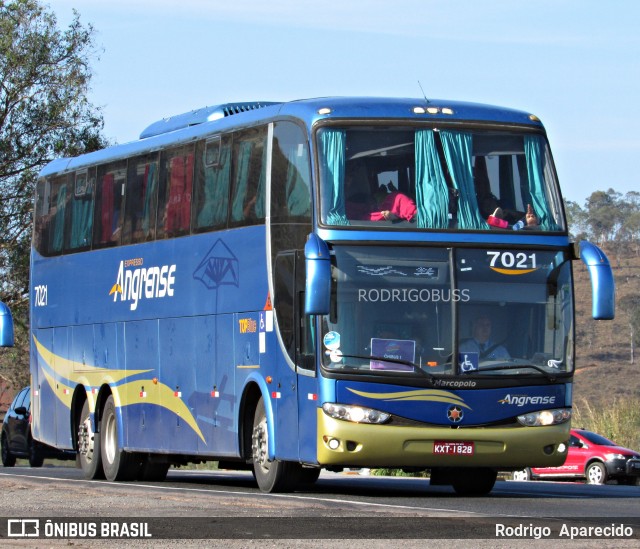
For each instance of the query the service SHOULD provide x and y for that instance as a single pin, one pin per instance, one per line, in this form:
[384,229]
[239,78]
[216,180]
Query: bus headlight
[357,414]
[545,417]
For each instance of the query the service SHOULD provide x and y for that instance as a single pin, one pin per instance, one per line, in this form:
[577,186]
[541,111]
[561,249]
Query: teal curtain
[241,180]
[458,153]
[149,189]
[262,192]
[58,222]
[332,148]
[432,194]
[82,222]
[216,192]
[297,185]
[534,148]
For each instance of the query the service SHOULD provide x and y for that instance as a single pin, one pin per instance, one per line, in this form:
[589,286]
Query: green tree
[44,113]
[603,215]
[631,306]
[577,220]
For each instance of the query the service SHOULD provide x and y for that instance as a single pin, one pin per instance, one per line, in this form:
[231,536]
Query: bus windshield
[407,178]
[411,311]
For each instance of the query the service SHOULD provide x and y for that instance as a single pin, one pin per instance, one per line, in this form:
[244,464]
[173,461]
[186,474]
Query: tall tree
[44,113]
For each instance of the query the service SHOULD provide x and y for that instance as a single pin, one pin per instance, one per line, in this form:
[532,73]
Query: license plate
[453,448]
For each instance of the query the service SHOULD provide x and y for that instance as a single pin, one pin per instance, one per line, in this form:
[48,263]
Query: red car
[591,457]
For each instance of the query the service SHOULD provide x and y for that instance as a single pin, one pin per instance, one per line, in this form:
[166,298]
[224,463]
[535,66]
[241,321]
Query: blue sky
[574,63]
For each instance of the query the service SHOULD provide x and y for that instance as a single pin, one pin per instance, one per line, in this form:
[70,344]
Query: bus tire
[116,463]
[475,481]
[88,456]
[153,471]
[271,476]
[308,475]
[36,457]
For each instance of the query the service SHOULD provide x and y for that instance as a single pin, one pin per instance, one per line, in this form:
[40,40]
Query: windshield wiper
[416,367]
[516,365]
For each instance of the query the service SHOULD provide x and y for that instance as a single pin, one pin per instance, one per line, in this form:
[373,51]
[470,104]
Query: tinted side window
[290,175]
[110,183]
[176,184]
[51,204]
[80,227]
[249,176]
[211,186]
[141,195]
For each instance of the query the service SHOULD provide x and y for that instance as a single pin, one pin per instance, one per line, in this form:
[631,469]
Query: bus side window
[57,210]
[41,225]
[110,182]
[249,176]
[290,175]
[174,198]
[79,229]
[141,194]
[211,185]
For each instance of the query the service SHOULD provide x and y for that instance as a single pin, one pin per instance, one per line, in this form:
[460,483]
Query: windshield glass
[408,178]
[410,311]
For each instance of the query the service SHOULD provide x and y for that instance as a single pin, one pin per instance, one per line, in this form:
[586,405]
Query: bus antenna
[423,94]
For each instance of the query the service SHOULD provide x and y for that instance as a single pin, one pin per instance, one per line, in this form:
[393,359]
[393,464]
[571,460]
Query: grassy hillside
[604,371]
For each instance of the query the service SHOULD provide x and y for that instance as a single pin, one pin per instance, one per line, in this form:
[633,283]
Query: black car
[17,441]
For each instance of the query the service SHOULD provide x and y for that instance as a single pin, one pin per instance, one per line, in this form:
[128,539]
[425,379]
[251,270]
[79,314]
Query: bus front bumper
[343,443]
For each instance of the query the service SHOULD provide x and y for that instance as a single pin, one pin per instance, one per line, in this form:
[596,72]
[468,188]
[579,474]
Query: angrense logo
[134,284]
[522,400]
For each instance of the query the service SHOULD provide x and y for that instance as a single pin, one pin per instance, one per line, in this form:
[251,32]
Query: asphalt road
[340,510]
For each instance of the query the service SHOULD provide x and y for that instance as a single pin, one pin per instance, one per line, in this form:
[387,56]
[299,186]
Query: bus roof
[196,124]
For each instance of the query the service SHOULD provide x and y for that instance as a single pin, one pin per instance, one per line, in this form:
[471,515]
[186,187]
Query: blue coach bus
[326,283]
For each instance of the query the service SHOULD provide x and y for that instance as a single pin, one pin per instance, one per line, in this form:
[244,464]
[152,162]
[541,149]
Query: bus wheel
[475,481]
[89,446]
[36,457]
[271,476]
[153,471]
[309,475]
[116,463]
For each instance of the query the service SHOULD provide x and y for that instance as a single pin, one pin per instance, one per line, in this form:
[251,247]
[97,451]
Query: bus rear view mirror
[6,326]
[318,284]
[603,289]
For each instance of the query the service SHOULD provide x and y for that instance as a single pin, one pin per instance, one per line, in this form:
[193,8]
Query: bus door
[297,384]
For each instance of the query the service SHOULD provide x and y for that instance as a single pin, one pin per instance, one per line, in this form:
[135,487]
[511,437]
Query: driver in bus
[481,342]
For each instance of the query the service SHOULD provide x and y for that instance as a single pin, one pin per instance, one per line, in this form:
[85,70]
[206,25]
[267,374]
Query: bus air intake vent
[199,116]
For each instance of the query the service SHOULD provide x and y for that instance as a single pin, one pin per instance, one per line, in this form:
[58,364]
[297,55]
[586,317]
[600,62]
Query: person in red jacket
[385,206]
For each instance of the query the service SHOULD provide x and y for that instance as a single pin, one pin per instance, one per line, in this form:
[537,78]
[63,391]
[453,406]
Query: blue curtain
[149,200]
[262,183]
[332,144]
[216,191]
[81,225]
[432,194]
[534,148]
[458,153]
[241,180]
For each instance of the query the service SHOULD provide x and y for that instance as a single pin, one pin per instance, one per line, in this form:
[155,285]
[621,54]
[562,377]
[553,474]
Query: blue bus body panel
[177,350]
[476,406]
